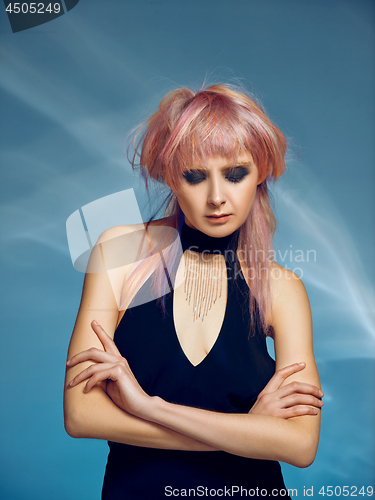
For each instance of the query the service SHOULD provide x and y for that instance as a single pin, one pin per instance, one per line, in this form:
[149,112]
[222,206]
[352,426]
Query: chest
[210,363]
[199,303]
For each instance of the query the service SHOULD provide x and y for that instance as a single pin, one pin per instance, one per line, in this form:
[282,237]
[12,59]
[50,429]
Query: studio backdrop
[76,77]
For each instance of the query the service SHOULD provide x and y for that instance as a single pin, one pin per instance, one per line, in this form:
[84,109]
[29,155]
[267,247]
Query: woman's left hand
[292,400]
[122,386]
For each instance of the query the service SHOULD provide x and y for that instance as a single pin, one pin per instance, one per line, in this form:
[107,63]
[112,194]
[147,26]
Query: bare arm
[95,415]
[292,440]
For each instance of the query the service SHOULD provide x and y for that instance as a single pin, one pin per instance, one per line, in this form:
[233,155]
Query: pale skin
[103,400]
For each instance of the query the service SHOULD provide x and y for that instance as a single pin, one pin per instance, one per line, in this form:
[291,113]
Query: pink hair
[220,120]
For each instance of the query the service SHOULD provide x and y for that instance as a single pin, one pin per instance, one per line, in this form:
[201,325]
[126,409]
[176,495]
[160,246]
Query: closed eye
[236,174]
[232,174]
[194,176]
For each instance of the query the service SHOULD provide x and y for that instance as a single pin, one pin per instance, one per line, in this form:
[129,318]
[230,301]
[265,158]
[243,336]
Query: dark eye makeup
[194,176]
[235,175]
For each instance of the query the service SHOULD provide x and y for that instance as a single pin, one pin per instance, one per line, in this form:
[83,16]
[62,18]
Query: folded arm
[94,415]
[152,422]
[293,440]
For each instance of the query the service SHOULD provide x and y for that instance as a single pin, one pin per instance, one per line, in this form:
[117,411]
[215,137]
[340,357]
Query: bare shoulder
[120,248]
[116,231]
[288,293]
[284,282]
[116,236]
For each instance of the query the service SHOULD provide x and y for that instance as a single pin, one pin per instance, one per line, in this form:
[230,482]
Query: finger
[281,375]
[108,373]
[92,354]
[89,372]
[104,338]
[298,411]
[301,399]
[300,387]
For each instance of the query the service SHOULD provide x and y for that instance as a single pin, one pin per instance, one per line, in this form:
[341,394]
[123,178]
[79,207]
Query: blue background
[72,89]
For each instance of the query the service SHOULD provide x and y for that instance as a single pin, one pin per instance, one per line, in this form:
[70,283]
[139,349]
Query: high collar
[201,242]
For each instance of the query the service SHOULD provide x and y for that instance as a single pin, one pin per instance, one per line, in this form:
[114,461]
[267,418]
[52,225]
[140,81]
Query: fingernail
[68,361]
[95,323]
[321,393]
[302,364]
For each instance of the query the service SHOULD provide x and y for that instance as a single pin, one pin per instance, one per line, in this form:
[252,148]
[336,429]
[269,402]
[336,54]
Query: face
[218,188]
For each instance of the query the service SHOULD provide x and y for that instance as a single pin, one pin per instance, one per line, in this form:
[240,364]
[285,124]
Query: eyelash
[191,179]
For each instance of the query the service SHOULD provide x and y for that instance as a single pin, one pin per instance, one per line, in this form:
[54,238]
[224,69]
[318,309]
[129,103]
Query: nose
[216,192]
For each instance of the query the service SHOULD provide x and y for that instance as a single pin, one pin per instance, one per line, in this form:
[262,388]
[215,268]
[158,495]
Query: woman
[182,385]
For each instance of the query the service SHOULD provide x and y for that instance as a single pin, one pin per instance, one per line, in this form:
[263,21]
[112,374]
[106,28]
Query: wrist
[151,409]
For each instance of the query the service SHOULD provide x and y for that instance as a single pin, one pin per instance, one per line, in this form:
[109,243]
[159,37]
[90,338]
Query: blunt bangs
[221,121]
[217,124]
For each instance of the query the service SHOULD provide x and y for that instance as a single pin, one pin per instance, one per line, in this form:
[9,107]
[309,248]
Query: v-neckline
[218,336]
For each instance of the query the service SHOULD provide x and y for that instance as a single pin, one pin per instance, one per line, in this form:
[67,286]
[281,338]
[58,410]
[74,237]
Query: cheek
[191,197]
[244,200]
[187,202]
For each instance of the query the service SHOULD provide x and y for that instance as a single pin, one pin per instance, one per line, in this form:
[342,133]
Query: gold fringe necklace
[203,281]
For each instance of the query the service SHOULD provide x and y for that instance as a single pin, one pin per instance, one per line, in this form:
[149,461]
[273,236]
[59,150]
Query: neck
[201,242]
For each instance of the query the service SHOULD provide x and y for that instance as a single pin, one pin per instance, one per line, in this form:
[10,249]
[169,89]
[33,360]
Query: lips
[218,219]
[220,215]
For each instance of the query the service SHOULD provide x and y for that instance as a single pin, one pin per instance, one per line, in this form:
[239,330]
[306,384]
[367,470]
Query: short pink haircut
[217,121]
[220,120]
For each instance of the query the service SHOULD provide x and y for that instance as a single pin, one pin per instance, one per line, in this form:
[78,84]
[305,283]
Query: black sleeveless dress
[227,380]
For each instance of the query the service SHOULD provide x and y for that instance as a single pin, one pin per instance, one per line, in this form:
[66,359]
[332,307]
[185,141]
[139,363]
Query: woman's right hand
[292,400]
[109,365]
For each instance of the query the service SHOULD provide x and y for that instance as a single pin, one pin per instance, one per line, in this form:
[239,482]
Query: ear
[260,180]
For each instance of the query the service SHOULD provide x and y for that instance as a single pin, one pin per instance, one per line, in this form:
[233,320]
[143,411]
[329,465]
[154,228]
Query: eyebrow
[225,168]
